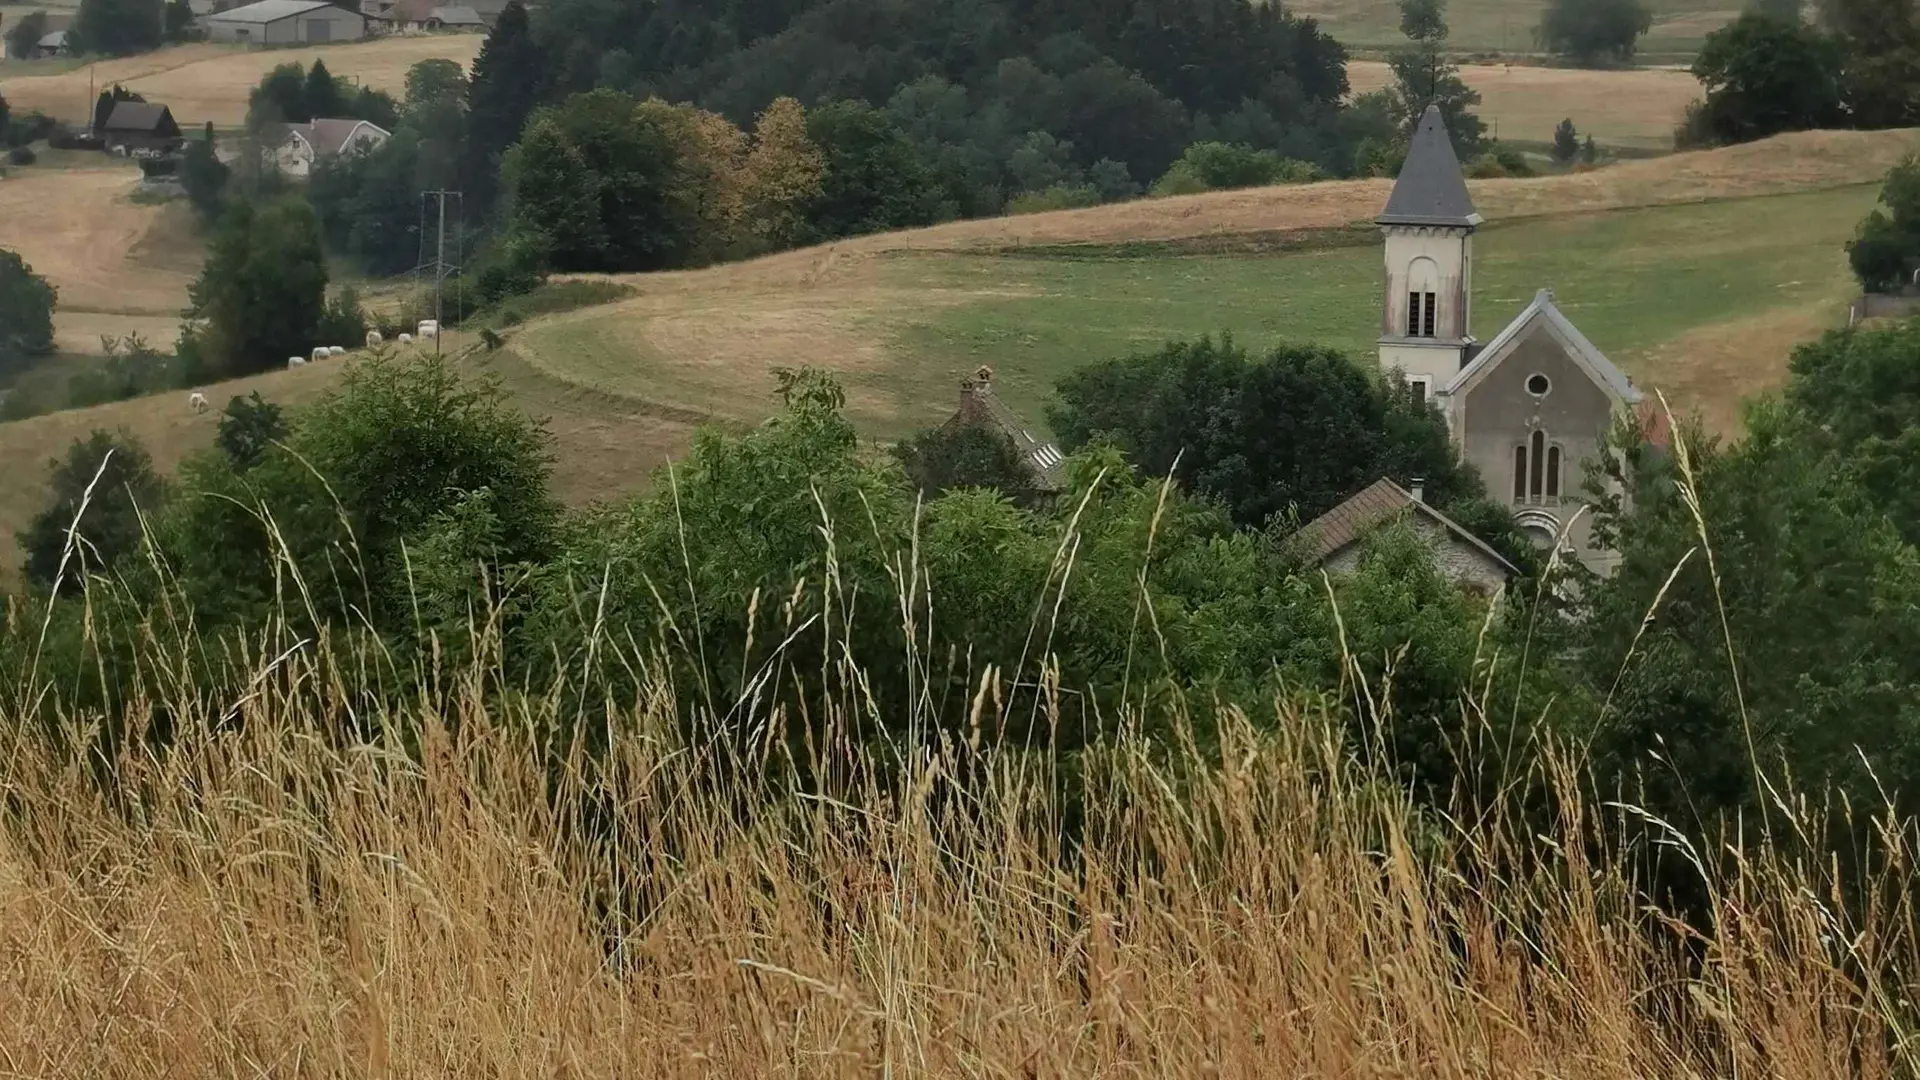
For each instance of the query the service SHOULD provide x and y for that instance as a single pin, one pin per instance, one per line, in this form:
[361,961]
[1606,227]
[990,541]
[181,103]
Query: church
[1527,408]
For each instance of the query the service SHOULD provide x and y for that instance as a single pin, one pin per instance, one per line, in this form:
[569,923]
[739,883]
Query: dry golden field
[1635,108]
[202,83]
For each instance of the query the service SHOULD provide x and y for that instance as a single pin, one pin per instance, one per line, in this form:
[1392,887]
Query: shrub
[1057,197]
[21,155]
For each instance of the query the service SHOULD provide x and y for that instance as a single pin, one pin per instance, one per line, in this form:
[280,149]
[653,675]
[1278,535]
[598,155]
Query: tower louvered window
[1427,324]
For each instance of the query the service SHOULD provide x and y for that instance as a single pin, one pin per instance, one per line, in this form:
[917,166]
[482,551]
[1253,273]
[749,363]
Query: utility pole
[441,267]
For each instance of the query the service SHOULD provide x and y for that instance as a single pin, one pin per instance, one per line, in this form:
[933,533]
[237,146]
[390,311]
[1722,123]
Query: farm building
[415,15]
[286,22]
[139,126]
[307,145]
[54,44]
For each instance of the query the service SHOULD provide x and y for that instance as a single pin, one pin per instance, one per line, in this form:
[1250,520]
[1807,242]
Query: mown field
[1634,110]
[206,82]
[1696,272]
[1506,26]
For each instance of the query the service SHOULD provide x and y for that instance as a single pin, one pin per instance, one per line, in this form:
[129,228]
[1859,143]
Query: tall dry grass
[470,879]
[461,896]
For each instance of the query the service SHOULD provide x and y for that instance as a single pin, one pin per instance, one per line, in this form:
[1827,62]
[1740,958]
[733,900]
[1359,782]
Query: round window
[1538,385]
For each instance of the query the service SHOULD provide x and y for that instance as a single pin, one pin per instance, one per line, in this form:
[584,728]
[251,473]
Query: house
[418,15]
[56,43]
[1334,539]
[286,22]
[306,145]
[981,407]
[1528,408]
[140,128]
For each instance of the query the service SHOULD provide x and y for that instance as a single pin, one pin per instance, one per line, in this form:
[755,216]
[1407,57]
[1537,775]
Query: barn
[286,22]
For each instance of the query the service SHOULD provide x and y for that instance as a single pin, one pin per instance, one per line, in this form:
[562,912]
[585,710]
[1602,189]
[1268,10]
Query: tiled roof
[980,405]
[1377,504]
[1431,189]
[327,136]
[136,116]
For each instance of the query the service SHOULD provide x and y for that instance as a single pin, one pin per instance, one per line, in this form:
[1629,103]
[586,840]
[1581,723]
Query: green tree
[1887,244]
[1761,76]
[873,178]
[248,428]
[262,291]
[97,494]
[1880,43]
[281,98]
[204,175]
[1858,393]
[1592,31]
[1212,166]
[509,77]
[25,34]
[1423,75]
[26,312]
[178,20]
[6,121]
[321,97]
[1566,143]
[103,105]
[965,456]
[1590,151]
[1298,429]
[431,83]
[119,27]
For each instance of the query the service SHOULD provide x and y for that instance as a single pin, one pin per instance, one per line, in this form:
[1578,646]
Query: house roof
[1590,359]
[267,11]
[329,136]
[980,405]
[1431,189]
[1377,504]
[457,15]
[55,40]
[137,116]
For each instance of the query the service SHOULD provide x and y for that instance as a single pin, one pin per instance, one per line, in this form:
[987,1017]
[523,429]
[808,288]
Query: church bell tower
[1429,221]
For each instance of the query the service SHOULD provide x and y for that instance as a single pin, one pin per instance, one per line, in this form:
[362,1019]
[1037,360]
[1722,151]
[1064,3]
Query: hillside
[1697,271]
[1633,109]
[205,82]
[1507,25]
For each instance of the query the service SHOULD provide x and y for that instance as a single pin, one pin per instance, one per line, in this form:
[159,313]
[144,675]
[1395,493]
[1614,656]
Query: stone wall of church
[1459,560]
[1498,414]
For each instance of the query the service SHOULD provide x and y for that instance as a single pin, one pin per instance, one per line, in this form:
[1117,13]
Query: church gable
[1542,323]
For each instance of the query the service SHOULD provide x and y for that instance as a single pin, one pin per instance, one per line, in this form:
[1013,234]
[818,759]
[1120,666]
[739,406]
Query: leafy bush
[1212,166]
[1887,245]
[1058,197]
[97,495]
[131,368]
[21,155]
[1590,31]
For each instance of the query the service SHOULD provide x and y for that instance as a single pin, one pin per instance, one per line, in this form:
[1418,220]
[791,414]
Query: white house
[307,145]
[286,22]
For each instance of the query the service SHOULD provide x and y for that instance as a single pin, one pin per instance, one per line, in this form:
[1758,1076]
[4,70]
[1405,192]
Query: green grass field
[1506,26]
[1703,300]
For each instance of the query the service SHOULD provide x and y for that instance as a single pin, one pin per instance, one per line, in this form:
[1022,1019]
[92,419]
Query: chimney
[1418,489]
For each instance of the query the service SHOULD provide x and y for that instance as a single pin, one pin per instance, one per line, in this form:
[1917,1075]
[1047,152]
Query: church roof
[1431,189]
[1591,359]
[1377,504]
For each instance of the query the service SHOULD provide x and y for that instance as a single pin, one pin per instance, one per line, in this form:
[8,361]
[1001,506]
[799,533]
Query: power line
[440,267]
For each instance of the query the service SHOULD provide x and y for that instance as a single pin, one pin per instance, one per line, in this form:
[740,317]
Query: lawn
[1507,25]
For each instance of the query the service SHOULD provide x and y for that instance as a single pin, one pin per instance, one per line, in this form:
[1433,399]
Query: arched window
[1519,472]
[1538,455]
[1423,307]
[1553,472]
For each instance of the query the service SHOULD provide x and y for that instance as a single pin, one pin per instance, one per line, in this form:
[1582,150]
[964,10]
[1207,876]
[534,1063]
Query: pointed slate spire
[1431,189]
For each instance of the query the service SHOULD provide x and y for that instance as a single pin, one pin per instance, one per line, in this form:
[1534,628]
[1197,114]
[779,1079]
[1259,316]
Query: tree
[6,121]
[1422,75]
[248,427]
[782,176]
[1591,31]
[873,179]
[26,312]
[1211,166]
[261,294]
[321,97]
[966,456]
[1590,151]
[432,83]
[508,79]
[1298,429]
[1762,77]
[178,20]
[1859,396]
[1566,143]
[119,27]
[1879,41]
[25,34]
[97,493]
[204,175]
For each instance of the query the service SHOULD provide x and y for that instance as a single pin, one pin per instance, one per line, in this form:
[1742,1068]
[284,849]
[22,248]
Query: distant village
[305,22]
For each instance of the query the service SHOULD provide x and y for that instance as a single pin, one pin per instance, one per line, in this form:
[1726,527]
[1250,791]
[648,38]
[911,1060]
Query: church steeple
[1428,224]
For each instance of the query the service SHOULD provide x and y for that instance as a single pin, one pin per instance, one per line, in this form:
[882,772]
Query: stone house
[981,407]
[1334,539]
